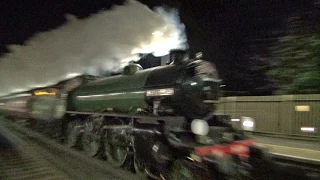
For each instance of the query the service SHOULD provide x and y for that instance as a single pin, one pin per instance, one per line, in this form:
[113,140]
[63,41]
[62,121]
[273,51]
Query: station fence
[289,115]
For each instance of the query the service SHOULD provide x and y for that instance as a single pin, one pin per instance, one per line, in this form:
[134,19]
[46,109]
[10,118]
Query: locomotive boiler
[181,88]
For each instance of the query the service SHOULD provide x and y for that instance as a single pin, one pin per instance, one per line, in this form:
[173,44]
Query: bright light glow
[199,55]
[248,123]
[200,127]
[194,157]
[109,94]
[235,120]
[71,75]
[42,93]
[303,108]
[308,129]
[193,83]
[160,92]
[39,85]
[93,45]
[159,46]
[91,96]
[157,33]
[17,90]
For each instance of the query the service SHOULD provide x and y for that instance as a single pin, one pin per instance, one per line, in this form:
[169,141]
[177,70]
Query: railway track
[32,156]
[19,160]
[37,157]
[16,165]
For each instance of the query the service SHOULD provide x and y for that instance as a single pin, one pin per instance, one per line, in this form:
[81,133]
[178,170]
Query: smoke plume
[105,41]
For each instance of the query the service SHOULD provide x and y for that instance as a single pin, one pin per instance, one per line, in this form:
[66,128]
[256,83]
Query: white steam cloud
[105,41]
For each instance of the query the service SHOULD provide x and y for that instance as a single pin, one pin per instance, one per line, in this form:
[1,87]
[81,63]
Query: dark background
[228,32]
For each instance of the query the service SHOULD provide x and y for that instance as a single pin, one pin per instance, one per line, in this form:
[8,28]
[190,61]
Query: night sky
[222,30]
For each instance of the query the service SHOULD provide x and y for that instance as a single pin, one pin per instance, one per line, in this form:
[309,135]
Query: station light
[308,129]
[248,124]
[302,108]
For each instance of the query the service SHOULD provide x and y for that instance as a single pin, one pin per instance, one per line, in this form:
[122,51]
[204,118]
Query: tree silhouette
[295,57]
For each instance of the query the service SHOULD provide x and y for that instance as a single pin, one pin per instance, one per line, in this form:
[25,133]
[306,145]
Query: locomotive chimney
[178,56]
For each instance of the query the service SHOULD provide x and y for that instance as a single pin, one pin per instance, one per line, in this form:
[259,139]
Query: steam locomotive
[161,121]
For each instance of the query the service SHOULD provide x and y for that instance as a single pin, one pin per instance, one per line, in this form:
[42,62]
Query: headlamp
[247,123]
[200,127]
